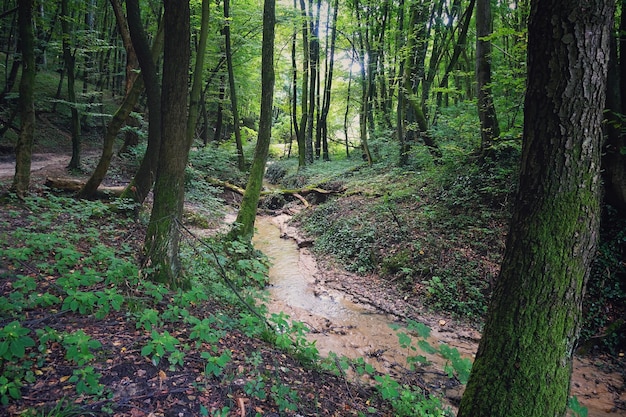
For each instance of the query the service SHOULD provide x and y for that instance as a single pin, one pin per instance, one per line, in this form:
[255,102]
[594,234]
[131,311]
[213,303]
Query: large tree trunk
[247,210]
[524,360]
[489,129]
[163,235]
[141,184]
[23,151]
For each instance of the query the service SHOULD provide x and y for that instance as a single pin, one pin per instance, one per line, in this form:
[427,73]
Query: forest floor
[139,388]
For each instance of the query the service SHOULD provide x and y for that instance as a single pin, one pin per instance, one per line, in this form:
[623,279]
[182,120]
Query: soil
[142,389]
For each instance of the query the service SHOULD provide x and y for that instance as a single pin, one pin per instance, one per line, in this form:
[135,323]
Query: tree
[117,121]
[23,151]
[524,360]
[489,129]
[241,161]
[141,184]
[69,57]
[162,236]
[247,211]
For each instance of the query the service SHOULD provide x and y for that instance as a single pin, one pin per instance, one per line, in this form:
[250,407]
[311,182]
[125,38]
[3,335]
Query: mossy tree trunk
[23,151]
[163,236]
[524,360]
[244,225]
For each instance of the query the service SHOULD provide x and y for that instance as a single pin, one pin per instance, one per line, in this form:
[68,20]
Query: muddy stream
[355,329]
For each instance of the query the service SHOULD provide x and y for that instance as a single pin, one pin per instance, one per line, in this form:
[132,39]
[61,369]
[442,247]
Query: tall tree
[120,116]
[69,57]
[241,161]
[163,235]
[196,86]
[247,211]
[489,129]
[143,180]
[328,82]
[23,151]
[524,360]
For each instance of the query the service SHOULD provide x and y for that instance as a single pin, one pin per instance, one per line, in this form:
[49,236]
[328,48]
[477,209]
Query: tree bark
[163,235]
[116,123]
[524,360]
[141,184]
[196,87]
[247,211]
[23,150]
[489,129]
[241,161]
[70,66]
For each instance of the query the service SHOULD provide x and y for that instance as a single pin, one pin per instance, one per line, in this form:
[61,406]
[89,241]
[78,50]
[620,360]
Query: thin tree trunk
[117,121]
[248,208]
[141,184]
[489,129]
[302,152]
[524,361]
[70,62]
[328,84]
[196,87]
[241,161]
[23,150]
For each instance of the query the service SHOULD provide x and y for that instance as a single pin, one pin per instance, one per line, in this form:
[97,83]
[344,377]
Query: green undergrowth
[67,265]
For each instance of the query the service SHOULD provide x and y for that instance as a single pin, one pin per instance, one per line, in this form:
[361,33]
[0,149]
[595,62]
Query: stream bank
[351,315]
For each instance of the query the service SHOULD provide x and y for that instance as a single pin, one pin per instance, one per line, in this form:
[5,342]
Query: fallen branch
[75,185]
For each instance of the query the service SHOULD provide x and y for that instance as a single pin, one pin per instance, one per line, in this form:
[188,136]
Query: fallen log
[298,193]
[75,185]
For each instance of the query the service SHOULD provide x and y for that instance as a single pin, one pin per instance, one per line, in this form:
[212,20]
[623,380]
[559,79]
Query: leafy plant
[78,347]
[14,341]
[215,364]
[285,397]
[159,345]
[87,381]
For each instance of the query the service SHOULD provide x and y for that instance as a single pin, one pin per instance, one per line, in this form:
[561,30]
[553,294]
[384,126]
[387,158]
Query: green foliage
[215,364]
[14,341]
[78,347]
[285,397]
[87,381]
[291,336]
[576,408]
[161,345]
[605,299]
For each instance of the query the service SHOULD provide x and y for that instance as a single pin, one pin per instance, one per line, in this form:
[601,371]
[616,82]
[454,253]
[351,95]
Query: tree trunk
[247,211]
[328,84]
[23,150]
[117,121]
[163,235]
[241,162]
[70,63]
[141,184]
[302,159]
[489,129]
[314,48]
[196,87]
[524,360]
